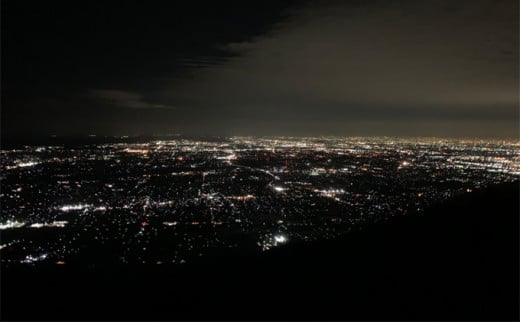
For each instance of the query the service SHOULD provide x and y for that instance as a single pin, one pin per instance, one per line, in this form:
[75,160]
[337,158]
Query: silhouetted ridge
[456,261]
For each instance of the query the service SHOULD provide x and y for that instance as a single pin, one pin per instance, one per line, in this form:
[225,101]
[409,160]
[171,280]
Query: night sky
[399,68]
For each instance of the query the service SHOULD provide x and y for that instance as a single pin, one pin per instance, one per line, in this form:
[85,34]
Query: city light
[188,194]
[280,239]
[11,225]
[73,207]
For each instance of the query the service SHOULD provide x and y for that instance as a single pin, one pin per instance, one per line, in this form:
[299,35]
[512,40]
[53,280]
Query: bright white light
[280,239]
[55,224]
[279,189]
[75,207]
[228,157]
[11,225]
[22,165]
[170,223]
[29,259]
[28,164]
[136,151]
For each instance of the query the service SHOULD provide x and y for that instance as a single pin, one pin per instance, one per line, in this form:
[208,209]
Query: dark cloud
[126,99]
[425,62]
[439,67]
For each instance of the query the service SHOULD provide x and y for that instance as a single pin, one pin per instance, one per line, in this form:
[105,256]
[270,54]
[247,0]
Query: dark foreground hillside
[457,261]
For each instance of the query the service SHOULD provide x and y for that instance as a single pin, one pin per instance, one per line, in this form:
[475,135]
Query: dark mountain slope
[456,261]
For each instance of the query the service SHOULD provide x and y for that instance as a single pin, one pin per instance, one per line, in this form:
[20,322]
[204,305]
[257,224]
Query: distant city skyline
[344,68]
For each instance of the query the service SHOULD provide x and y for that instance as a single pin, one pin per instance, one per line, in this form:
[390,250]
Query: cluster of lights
[30,259]
[273,240]
[73,207]
[22,165]
[9,224]
[201,193]
[55,224]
